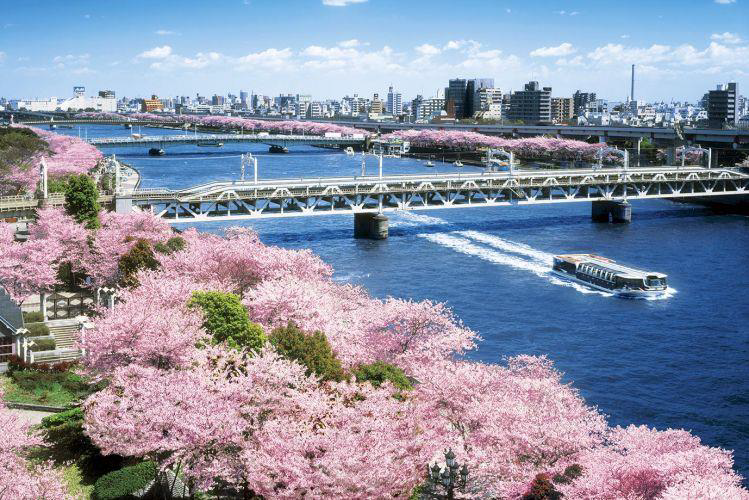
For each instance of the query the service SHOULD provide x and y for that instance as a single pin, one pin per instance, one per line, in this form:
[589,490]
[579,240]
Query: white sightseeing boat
[606,275]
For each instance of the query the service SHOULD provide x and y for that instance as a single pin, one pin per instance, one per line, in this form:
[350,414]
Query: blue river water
[678,362]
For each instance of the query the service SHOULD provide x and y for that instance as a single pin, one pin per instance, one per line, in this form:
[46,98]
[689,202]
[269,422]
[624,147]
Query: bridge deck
[211,139]
[325,196]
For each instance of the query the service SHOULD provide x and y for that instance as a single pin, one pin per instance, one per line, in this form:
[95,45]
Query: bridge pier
[370,226]
[615,211]
[123,204]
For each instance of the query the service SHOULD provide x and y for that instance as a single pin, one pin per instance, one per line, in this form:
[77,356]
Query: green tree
[312,350]
[174,244]
[139,257]
[82,200]
[125,482]
[226,320]
[378,372]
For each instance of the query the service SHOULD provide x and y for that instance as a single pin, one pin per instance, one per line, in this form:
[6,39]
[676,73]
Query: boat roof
[610,265]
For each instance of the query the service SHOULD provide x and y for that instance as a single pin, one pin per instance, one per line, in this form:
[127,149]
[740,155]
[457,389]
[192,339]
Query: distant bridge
[607,189]
[215,139]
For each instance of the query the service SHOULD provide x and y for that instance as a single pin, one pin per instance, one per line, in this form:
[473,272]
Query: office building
[580,101]
[562,109]
[152,104]
[460,95]
[723,105]
[377,107]
[487,103]
[430,108]
[531,105]
[394,103]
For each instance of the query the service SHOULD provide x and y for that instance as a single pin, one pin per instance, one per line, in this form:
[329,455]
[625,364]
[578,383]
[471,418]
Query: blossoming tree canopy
[263,423]
[64,155]
[20,479]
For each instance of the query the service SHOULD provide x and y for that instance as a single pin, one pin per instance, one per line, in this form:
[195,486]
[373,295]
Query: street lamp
[444,484]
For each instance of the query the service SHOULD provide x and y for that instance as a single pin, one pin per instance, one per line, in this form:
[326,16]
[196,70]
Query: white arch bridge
[367,197]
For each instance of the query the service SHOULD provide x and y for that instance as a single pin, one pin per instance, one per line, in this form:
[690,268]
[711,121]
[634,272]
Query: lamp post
[443,484]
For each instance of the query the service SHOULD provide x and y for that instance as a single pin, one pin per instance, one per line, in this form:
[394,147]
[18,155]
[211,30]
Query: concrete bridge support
[614,211]
[123,204]
[371,226]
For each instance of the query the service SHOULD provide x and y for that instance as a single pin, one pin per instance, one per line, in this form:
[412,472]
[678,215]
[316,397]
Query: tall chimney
[632,89]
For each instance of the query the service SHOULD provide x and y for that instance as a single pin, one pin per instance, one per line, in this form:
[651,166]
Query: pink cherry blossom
[19,479]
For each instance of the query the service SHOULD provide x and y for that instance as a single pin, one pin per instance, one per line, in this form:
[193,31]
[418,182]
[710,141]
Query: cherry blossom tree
[31,267]
[19,479]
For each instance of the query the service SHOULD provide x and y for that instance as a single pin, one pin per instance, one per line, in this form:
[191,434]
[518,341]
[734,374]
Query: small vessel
[458,163]
[64,126]
[429,163]
[349,151]
[605,274]
[136,136]
[52,126]
[278,149]
[156,152]
[128,125]
[210,144]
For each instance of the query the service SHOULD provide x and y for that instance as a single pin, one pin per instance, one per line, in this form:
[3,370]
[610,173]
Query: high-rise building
[580,101]
[488,99]
[218,100]
[531,105]
[243,97]
[723,105]
[430,108]
[415,103]
[562,109]
[377,107]
[106,94]
[460,95]
[394,104]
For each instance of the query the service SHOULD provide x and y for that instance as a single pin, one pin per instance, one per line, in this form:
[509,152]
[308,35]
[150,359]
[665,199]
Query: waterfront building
[581,100]
[78,102]
[723,105]
[377,107]
[487,101]
[106,94]
[562,109]
[152,104]
[415,103]
[429,109]
[394,104]
[460,95]
[531,105]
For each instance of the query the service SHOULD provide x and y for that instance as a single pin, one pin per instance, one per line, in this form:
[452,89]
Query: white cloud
[2,56]
[726,37]
[427,50]
[564,49]
[271,59]
[725,2]
[341,3]
[350,43]
[165,32]
[74,60]
[156,53]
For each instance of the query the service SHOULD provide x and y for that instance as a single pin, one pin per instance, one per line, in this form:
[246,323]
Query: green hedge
[33,317]
[37,330]
[43,345]
[124,482]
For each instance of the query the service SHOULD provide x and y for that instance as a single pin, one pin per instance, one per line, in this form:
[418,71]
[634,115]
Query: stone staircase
[57,356]
[65,332]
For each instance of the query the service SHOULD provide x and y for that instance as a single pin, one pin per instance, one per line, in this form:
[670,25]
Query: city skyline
[681,50]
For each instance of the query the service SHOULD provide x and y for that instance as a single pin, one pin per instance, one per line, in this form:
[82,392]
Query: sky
[332,48]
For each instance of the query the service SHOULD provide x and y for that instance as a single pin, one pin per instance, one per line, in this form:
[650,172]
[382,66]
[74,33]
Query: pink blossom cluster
[19,479]
[258,422]
[237,123]
[68,156]
[530,148]
[55,238]
[98,115]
